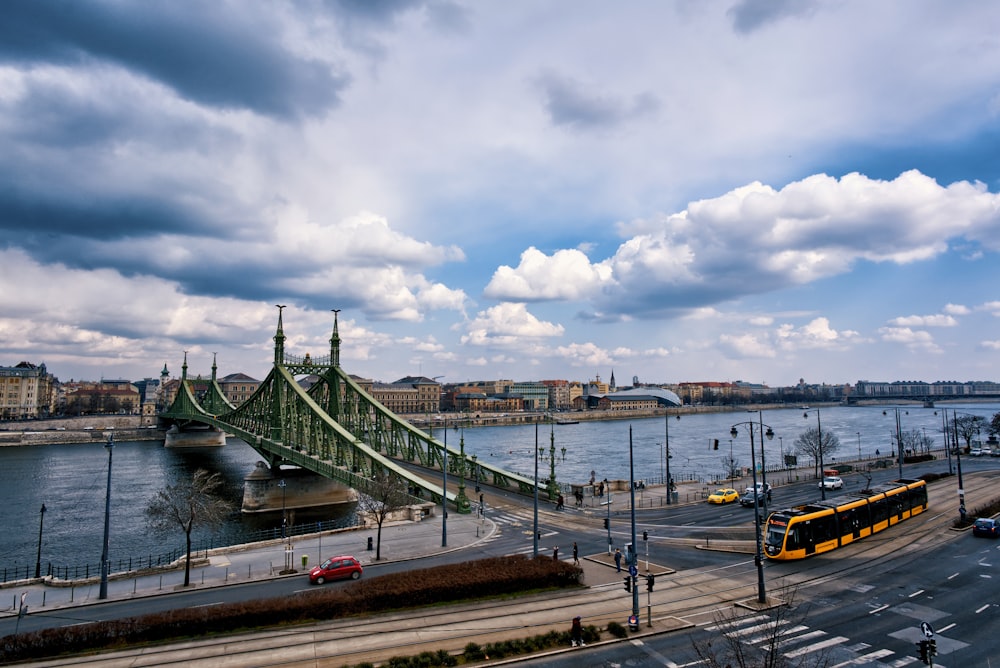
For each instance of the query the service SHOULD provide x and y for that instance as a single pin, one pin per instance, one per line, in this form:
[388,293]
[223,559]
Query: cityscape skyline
[486,190]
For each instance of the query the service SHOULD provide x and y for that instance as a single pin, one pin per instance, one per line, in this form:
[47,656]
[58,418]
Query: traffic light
[715,446]
[628,583]
[607,523]
[650,581]
[645,535]
[925,654]
[932,647]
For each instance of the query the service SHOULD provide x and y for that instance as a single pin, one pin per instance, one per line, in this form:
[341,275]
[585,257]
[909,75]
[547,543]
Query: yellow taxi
[724,495]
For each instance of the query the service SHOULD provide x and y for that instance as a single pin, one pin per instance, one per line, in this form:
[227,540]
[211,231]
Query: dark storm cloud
[569,103]
[749,15]
[213,56]
[31,220]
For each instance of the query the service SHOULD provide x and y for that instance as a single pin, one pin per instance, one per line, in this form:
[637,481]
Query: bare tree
[968,428]
[808,444]
[732,647]
[188,504]
[382,495]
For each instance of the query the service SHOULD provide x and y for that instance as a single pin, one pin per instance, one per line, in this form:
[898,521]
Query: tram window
[824,528]
[880,511]
[794,541]
[848,522]
[920,495]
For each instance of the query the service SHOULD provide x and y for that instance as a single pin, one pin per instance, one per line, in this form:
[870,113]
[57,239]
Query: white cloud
[924,321]
[567,274]
[912,339]
[507,324]
[956,309]
[745,346]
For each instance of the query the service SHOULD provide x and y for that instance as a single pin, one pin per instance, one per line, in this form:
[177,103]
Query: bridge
[334,429]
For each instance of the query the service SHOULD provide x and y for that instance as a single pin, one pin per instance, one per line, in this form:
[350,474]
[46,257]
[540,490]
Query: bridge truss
[334,428]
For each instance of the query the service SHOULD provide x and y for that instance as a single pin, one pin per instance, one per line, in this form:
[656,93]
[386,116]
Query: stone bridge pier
[267,490]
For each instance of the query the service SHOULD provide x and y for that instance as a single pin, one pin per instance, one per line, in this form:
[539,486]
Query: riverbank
[82,429]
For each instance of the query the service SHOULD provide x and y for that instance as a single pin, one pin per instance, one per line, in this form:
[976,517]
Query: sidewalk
[257,561]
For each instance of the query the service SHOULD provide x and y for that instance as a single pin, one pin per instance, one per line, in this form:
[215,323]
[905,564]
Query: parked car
[336,568]
[750,496]
[986,526]
[977,452]
[831,482]
[723,495]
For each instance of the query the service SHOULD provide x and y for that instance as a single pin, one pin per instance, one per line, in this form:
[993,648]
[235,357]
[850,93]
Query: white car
[831,482]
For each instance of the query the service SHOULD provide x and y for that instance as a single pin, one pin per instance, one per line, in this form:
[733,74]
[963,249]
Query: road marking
[878,609]
[942,630]
[985,607]
[955,575]
[865,658]
[917,593]
[801,638]
[653,653]
[829,642]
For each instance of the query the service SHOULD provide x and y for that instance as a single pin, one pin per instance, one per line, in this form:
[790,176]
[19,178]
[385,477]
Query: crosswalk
[796,642]
[509,522]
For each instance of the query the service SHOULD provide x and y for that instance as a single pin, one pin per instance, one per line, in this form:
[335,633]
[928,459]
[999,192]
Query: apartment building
[26,392]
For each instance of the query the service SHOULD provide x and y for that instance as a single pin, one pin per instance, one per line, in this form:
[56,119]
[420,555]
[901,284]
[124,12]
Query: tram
[821,526]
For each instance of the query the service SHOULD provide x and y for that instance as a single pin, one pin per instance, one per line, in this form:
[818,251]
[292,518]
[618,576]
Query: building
[238,387]
[559,398]
[26,392]
[410,395]
[89,398]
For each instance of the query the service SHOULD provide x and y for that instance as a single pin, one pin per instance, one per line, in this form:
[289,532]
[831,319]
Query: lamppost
[284,517]
[944,430]
[38,559]
[819,450]
[534,531]
[633,558]
[859,448]
[105,564]
[666,428]
[444,488]
[758,556]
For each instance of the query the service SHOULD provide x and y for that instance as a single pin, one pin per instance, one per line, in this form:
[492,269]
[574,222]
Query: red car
[336,568]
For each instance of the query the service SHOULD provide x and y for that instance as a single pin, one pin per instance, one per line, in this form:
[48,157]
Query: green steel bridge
[334,429]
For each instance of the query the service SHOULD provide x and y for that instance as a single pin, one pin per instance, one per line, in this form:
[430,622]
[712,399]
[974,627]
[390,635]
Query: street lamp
[284,517]
[758,557]
[38,559]
[444,488]
[859,448]
[534,530]
[105,564]
[666,427]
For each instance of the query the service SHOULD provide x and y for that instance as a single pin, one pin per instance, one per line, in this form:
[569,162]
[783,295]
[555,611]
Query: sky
[673,191]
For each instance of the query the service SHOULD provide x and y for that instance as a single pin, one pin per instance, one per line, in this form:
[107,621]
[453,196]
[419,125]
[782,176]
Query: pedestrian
[560,501]
[618,560]
[576,554]
[576,633]
[555,553]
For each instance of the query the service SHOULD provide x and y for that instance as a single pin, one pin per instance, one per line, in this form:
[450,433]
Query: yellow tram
[821,526]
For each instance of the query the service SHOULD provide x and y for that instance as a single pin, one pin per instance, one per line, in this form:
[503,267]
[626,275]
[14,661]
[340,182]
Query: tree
[968,427]
[731,647]
[995,425]
[915,442]
[190,503]
[382,495]
[808,444]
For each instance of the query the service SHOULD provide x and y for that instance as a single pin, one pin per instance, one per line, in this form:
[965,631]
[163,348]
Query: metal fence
[137,563]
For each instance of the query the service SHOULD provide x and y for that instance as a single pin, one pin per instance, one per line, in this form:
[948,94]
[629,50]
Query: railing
[85,571]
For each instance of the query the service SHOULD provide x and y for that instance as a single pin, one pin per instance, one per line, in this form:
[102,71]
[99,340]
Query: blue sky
[677,191]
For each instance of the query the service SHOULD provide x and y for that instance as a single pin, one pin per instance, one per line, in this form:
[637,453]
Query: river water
[71,479]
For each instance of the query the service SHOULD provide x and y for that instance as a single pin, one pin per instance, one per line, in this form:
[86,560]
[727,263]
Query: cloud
[507,324]
[914,340]
[751,15]
[572,104]
[815,334]
[924,321]
[215,57]
[743,346]
[756,239]
[956,309]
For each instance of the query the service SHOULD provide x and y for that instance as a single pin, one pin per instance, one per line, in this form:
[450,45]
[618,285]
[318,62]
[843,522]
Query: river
[71,479]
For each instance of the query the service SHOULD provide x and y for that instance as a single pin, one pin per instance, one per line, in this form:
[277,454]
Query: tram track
[685,595]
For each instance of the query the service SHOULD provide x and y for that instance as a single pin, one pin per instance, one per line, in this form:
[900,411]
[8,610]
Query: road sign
[926,628]
[632,570]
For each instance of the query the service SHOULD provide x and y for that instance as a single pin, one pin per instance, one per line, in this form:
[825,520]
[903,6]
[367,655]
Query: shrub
[617,630]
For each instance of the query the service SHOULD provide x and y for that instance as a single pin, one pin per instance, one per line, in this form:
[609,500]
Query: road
[859,602]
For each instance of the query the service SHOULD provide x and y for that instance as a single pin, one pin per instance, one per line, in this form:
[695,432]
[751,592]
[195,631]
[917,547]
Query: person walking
[555,553]
[576,633]
[618,560]
[576,554]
